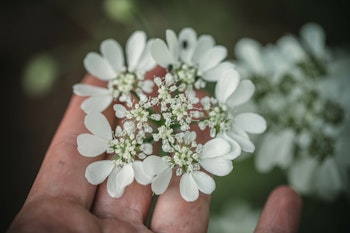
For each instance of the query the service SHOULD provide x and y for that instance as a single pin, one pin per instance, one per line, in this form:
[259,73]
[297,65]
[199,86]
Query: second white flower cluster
[160,117]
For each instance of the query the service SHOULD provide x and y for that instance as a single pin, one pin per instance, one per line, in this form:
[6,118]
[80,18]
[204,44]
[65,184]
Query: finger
[132,206]
[281,213]
[173,214]
[135,203]
[62,171]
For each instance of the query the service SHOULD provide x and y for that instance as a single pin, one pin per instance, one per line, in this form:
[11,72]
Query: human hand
[61,200]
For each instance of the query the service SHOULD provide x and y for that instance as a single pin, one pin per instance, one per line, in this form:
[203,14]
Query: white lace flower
[166,116]
[187,159]
[122,77]
[225,120]
[306,104]
[138,113]
[121,169]
[254,60]
[193,61]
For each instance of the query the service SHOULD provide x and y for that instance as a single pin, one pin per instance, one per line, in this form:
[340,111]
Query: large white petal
[243,140]
[235,150]
[140,175]
[188,188]
[153,165]
[242,94]
[161,53]
[217,166]
[204,43]
[212,58]
[226,85]
[89,145]
[98,66]
[205,183]
[275,63]
[114,191]
[161,181]
[234,128]
[173,44]
[134,49]
[249,51]
[83,89]
[291,48]
[188,38]
[314,36]
[251,122]
[96,103]
[113,52]
[215,147]
[328,180]
[125,176]
[98,171]
[276,150]
[217,72]
[98,124]
[301,175]
[146,61]
[113,188]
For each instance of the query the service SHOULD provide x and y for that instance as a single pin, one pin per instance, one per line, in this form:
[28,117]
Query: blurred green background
[43,44]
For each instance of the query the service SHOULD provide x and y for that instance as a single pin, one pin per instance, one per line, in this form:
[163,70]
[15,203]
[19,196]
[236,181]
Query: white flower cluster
[302,88]
[161,115]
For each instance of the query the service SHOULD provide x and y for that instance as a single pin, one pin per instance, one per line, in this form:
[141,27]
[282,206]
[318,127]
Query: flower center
[139,113]
[185,160]
[217,120]
[122,84]
[322,146]
[124,149]
[186,74]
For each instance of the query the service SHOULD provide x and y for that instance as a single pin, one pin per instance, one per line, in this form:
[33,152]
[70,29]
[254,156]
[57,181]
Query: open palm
[61,199]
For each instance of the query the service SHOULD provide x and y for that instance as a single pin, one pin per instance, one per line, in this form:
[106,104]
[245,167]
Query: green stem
[135,94]
[151,210]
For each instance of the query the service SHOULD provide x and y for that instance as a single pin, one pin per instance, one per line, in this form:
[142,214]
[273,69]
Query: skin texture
[281,213]
[61,199]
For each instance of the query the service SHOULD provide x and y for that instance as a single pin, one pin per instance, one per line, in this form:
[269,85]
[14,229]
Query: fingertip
[182,216]
[134,204]
[282,211]
[285,194]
